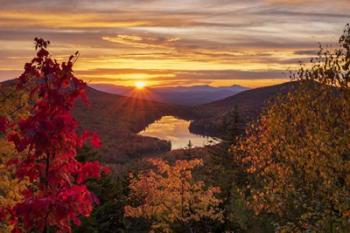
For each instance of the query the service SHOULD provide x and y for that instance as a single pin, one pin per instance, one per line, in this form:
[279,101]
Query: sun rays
[140,85]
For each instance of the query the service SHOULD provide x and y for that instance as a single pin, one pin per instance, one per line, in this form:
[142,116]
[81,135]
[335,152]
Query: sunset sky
[172,43]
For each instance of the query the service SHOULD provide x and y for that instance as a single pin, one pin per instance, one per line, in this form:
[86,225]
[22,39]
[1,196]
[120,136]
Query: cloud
[306,14]
[306,52]
[63,20]
[319,3]
[142,42]
[174,41]
[163,78]
[131,74]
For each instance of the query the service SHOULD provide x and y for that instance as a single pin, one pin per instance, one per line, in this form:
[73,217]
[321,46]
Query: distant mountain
[189,96]
[112,89]
[117,119]
[249,104]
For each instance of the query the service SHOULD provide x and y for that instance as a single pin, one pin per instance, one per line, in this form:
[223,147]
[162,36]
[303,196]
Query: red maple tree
[57,195]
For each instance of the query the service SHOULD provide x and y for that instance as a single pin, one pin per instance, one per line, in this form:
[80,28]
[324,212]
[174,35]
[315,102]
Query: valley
[174,116]
[121,120]
[118,119]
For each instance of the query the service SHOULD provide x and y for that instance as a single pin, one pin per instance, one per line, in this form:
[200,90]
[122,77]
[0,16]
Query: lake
[177,132]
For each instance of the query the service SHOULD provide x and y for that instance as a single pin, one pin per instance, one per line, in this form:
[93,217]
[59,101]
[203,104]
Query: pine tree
[225,173]
[188,150]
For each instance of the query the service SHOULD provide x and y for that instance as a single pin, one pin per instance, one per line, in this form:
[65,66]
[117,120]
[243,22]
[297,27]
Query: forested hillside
[118,119]
[210,118]
[287,173]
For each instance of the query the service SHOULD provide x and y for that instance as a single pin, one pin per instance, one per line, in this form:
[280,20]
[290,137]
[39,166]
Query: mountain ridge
[117,120]
[248,104]
[181,95]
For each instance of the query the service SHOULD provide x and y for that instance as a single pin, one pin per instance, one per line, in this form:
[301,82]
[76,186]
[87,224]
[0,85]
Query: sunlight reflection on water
[176,131]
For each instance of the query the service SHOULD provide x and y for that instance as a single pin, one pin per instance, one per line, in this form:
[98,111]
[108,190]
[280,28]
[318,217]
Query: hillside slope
[249,104]
[117,119]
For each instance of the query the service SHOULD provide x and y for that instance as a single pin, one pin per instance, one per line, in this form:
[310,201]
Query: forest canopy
[298,154]
[288,172]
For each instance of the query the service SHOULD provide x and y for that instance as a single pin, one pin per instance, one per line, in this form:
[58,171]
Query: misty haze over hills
[189,96]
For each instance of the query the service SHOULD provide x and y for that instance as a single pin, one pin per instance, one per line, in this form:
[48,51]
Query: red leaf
[95,140]
[3,124]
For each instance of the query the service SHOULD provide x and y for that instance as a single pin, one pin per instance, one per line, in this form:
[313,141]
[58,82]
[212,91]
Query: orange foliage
[298,154]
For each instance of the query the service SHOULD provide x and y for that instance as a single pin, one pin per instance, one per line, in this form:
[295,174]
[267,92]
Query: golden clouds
[25,19]
[163,77]
[141,42]
[202,39]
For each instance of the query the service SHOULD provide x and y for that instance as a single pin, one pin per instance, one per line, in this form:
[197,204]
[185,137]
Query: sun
[140,84]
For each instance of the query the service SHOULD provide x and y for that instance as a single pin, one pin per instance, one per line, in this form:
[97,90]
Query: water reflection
[176,131]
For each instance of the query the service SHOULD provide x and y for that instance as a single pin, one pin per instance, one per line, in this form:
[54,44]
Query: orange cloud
[141,42]
[24,19]
[216,36]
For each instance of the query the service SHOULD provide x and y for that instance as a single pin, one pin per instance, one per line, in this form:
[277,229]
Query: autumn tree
[12,105]
[298,154]
[168,197]
[46,142]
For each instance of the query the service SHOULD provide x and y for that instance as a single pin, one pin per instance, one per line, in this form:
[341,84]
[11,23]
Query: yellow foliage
[12,105]
[169,195]
[298,154]
[10,187]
